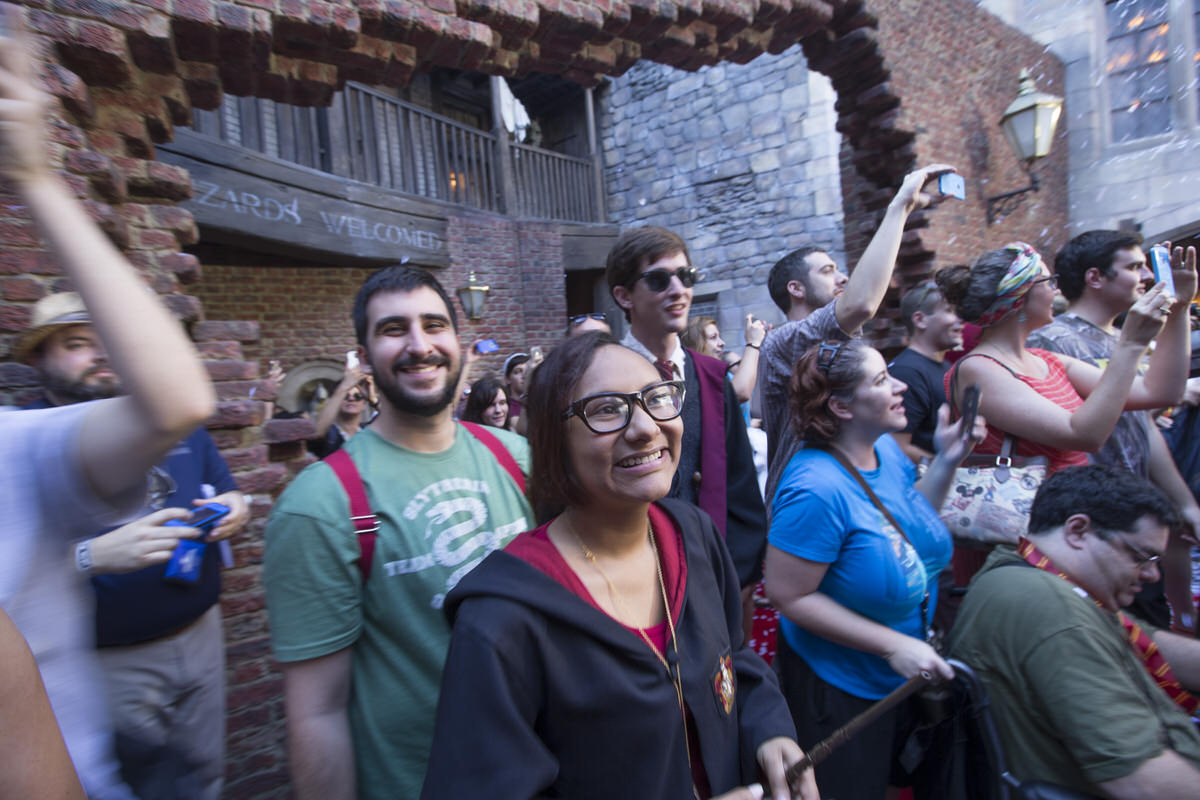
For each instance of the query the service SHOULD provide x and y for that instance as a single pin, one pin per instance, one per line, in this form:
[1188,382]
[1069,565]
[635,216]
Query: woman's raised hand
[951,441]
[1147,316]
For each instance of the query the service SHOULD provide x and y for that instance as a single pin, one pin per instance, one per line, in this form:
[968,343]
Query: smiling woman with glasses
[600,655]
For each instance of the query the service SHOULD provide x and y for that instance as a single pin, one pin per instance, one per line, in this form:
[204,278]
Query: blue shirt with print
[822,514]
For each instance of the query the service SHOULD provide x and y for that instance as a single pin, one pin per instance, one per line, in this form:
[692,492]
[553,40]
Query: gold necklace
[662,585]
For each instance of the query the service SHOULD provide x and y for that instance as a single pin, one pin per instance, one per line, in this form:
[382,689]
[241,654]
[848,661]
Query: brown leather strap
[845,462]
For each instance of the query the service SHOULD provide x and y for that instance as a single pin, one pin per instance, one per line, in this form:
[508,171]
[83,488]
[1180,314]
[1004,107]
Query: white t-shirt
[47,502]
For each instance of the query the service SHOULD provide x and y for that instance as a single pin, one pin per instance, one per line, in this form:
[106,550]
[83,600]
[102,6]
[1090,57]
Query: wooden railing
[370,137]
[551,185]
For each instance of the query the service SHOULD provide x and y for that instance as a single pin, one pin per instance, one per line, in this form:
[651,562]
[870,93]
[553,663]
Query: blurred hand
[756,330]
[774,757]
[352,377]
[1183,271]
[141,543]
[910,197]
[22,105]
[912,657]
[1146,317]
[234,521]
[951,441]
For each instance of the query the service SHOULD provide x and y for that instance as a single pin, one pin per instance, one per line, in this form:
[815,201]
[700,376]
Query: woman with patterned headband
[1055,405]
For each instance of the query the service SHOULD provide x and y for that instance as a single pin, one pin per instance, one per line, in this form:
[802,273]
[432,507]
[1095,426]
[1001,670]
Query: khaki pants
[167,699]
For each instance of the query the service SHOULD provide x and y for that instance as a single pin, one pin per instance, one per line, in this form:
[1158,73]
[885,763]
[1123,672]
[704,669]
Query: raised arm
[1014,407]
[33,758]
[168,390]
[352,377]
[1165,381]
[870,278]
[747,373]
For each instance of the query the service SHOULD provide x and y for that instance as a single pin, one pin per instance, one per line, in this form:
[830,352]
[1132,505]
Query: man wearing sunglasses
[1083,695]
[650,276]
[822,303]
[1102,273]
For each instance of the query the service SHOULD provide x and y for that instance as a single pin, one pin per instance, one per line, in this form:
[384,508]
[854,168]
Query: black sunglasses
[578,319]
[657,280]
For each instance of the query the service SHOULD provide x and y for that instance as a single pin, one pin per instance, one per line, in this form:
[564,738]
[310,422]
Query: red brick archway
[916,81]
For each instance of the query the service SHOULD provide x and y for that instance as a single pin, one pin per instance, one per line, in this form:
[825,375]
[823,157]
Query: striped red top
[1056,388]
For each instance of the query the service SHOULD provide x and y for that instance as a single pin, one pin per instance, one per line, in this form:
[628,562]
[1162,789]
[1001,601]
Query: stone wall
[1150,180]
[743,161]
[740,160]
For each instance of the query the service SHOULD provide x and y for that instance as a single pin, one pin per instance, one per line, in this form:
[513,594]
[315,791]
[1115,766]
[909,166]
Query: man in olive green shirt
[362,654]
[1074,701]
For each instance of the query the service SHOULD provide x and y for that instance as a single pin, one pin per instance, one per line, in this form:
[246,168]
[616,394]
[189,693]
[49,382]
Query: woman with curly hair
[853,570]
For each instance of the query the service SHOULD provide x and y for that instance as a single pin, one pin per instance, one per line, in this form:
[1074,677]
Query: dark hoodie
[543,695]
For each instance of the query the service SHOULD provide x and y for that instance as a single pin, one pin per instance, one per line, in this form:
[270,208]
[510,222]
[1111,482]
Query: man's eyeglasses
[1141,559]
[579,319]
[1050,279]
[609,412]
[657,280]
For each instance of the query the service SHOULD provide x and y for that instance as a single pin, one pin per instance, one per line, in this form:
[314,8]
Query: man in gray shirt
[1102,273]
[821,302]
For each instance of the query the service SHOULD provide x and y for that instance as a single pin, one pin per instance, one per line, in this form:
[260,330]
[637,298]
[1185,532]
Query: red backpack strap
[366,524]
[498,450]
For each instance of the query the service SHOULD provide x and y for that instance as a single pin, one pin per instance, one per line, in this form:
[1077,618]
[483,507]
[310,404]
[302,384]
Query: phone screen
[970,407]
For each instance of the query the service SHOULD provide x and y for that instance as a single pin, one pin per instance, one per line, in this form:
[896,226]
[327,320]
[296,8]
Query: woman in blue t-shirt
[855,594]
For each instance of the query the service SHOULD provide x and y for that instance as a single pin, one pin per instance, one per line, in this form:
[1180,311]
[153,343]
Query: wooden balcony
[372,138]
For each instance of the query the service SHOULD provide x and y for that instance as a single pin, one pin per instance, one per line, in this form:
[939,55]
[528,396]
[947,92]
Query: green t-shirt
[1073,702]
[440,515]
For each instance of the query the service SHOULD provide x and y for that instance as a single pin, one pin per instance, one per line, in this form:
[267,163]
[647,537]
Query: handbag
[990,496]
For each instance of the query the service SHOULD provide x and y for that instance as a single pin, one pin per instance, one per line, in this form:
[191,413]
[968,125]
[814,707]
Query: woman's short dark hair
[483,394]
[970,291]
[832,368]
[552,484]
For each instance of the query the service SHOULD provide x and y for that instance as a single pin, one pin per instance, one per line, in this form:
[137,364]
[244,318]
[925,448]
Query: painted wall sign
[291,209]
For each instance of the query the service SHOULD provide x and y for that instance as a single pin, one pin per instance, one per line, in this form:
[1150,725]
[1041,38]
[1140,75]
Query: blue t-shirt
[822,514]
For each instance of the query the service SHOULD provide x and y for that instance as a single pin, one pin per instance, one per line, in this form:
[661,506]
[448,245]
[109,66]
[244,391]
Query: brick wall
[905,100]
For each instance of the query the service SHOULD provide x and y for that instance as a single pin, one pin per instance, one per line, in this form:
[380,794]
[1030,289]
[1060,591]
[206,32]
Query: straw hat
[49,314]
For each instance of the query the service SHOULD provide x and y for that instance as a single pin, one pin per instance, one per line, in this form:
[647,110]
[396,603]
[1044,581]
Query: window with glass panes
[1196,50]
[1137,68]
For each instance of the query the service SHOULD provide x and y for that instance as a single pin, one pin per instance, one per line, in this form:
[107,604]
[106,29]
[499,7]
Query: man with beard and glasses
[160,643]
[356,620]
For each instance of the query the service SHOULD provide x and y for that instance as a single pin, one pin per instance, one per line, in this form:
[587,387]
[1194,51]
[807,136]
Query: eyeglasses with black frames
[1050,279]
[658,280]
[609,412]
